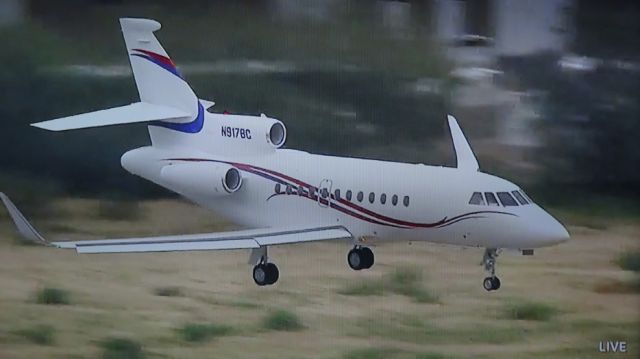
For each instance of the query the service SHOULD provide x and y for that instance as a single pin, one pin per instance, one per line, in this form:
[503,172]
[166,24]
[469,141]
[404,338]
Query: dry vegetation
[418,301]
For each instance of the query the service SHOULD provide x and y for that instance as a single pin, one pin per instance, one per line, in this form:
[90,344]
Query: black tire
[272,273]
[260,275]
[496,283]
[368,257]
[354,259]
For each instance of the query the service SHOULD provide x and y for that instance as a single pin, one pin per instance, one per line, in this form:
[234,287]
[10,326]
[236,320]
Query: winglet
[464,154]
[25,228]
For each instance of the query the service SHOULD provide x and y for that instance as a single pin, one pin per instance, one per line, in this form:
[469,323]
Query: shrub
[53,296]
[282,320]
[121,348]
[201,332]
[630,261]
[530,311]
[39,334]
[168,292]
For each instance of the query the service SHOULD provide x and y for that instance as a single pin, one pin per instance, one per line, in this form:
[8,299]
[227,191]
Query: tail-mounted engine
[202,179]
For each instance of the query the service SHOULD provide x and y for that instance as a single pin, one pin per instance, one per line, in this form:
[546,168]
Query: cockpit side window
[491,199]
[506,199]
[476,198]
[526,196]
[520,198]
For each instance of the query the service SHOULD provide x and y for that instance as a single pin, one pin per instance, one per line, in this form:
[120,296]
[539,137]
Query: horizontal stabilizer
[464,154]
[133,113]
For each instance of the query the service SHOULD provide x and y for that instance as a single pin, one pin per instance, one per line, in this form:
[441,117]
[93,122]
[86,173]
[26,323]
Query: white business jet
[235,166]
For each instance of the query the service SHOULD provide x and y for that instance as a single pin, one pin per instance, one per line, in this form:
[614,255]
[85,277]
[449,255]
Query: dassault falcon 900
[235,166]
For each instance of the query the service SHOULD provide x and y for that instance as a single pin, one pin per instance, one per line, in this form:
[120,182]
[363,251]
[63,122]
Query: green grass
[282,320]
[121,348]
[530,311]
[53,296]
[198,332]
[39,334]
[630,261]
[405,281]
[168,291]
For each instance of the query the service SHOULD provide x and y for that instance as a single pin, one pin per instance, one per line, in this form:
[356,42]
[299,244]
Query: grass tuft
[168,291]
[282,320]
[430,355]
[198,332]
[39,334]
[404,281]
[530,311]
[630,261]
[53,296]
[121,348]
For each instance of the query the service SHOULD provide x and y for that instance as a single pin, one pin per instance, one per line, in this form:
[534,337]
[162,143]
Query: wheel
[491,283]
[354,258]
[496,283]
[260,274]
[367,257]
[272,273]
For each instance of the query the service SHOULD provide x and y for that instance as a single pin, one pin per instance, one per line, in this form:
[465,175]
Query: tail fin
[156,76]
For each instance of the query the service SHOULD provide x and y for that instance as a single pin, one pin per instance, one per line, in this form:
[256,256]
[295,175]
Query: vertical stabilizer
[465,158]
[158,80]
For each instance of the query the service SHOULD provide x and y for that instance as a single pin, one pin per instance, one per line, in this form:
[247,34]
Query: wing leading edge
[245,239]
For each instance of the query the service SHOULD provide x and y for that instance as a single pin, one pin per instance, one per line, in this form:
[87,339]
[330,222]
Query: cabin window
[394,199]
[491,199]
[289,189]
[405,201]
[278,188]
[476,198]
[360,196]
[372,197]
[520,198]
[383,198]
[506,199]
[349,195]
[337,194]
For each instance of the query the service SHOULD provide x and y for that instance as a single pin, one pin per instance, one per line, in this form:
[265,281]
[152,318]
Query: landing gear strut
[265,273]
[489,261]
[360,258]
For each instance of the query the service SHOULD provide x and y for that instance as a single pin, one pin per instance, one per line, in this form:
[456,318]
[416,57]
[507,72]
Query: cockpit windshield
[506,199]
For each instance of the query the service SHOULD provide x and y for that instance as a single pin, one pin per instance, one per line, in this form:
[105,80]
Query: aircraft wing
[245,239]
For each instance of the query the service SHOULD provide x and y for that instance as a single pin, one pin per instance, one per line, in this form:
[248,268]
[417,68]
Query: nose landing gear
[489,261]
[360,258]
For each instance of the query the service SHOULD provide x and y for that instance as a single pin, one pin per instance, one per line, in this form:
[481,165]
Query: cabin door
[324,192]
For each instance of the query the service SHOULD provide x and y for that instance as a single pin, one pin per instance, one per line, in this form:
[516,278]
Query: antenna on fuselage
[465,158]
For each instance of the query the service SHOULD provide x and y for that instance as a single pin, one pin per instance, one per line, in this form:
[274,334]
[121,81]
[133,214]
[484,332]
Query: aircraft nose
[551,231]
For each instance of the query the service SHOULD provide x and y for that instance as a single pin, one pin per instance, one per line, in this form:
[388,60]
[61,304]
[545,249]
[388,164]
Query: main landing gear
[489,262]
[265,273]
[360,258]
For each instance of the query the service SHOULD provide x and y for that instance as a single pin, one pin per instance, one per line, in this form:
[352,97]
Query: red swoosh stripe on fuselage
[377,218]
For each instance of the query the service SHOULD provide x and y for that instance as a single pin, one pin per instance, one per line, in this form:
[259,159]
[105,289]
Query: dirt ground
[112,295]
